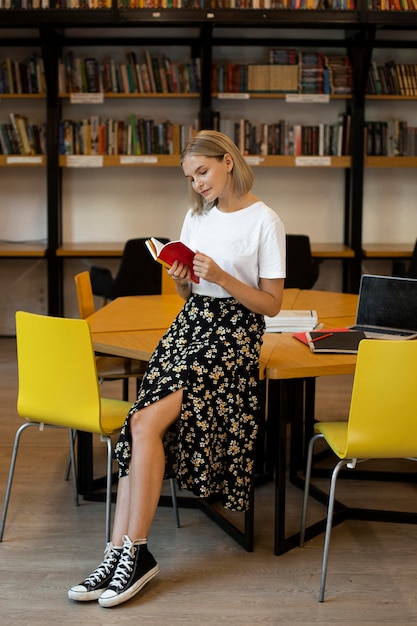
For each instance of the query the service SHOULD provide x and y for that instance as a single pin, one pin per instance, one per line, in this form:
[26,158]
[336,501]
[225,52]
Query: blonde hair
[211,143]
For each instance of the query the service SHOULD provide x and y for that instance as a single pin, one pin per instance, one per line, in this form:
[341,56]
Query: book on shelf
[391,138]
[291,321]
[289,139]
[91,73]
[340,74]
[18,123]
[133,137]
[22,77]
[341,342]
[150,74]
[6,141]
[168,253]
[391,78]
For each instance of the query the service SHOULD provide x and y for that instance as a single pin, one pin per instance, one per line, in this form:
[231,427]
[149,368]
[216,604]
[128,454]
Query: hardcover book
[172,251]
[338,342]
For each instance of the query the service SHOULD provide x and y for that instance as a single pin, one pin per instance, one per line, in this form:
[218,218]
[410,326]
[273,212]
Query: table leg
[290,402]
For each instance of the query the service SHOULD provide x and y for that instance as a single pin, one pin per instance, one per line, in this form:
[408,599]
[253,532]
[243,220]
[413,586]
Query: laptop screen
[387,301]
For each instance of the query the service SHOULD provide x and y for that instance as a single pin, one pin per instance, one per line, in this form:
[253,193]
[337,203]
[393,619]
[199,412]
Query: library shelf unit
[357,32]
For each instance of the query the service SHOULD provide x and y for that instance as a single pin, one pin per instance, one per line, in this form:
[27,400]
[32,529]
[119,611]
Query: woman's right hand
[182,275]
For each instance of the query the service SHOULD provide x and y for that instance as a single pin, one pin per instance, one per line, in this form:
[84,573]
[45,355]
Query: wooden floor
[205,577]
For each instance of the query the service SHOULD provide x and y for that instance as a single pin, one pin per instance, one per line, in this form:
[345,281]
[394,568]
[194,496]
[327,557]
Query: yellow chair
[112,367]
[58,387]
[382,421]
[108,367]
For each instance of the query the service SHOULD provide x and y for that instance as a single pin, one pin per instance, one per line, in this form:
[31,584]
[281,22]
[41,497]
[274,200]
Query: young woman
[198,404]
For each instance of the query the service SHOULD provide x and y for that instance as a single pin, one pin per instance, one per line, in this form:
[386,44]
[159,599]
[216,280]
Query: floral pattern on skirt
[211,352]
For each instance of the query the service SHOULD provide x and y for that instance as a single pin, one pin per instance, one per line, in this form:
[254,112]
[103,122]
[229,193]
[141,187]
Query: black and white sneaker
[92,587]
[135,568]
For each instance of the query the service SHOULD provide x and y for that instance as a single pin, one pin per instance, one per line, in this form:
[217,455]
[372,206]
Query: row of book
[391,138]
[243,78]
[150,74]
[238,4]
[288,71]
[306,73]
[181,4]
[135,136]
[392,5]
[392,78]
[55,4]
[18,77]
[19,136]
[139,136]
[288,139]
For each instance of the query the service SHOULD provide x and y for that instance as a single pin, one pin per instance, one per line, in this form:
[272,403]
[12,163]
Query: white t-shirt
[248,244]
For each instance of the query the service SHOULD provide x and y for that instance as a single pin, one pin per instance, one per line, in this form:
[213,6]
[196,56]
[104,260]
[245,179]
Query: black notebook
[341,341]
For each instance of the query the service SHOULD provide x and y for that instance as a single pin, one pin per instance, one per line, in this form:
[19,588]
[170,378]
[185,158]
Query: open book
[172,251]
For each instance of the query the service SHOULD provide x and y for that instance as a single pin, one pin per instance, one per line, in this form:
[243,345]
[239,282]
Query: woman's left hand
[205,267]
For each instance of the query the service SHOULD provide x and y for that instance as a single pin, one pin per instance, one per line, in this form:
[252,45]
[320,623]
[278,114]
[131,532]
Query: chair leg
[11,474]
[329,524]
[68,469]
[307,486]
[108,484]
[72,437]
[174,502]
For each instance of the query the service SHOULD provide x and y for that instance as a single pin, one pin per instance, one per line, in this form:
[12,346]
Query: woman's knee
[140,427]
[153,420]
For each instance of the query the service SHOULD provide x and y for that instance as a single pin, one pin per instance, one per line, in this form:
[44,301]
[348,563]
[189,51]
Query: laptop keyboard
[383,331]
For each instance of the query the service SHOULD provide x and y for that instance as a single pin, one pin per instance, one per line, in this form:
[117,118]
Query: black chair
[138,273]
[302,268]
[400,267]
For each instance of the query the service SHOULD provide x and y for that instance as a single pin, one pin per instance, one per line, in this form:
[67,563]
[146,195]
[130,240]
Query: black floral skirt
[211,352]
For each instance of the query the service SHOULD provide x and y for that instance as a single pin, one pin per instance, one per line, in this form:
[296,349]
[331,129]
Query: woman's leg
[137,498]
[138,493]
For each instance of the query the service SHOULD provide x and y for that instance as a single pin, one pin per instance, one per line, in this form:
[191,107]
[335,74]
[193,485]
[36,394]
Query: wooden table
[131,327]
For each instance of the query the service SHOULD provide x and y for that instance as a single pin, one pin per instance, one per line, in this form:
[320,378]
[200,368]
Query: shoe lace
[111,557]
[124,566]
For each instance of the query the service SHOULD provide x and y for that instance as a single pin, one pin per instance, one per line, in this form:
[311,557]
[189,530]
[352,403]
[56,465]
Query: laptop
[387,307]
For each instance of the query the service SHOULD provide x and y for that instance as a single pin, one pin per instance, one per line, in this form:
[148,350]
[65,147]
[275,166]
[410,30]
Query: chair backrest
[138,274]
[383,410]
[57,373]
[412,268]
[302,268]
[85,298]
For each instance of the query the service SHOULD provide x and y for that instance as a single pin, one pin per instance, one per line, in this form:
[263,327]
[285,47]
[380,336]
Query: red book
[172,251]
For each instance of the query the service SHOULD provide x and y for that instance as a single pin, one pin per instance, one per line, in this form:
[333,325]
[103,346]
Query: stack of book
[291,321]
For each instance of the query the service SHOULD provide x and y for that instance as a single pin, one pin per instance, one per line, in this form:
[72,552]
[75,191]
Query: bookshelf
[23,201]
[389,162]
[214,36]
